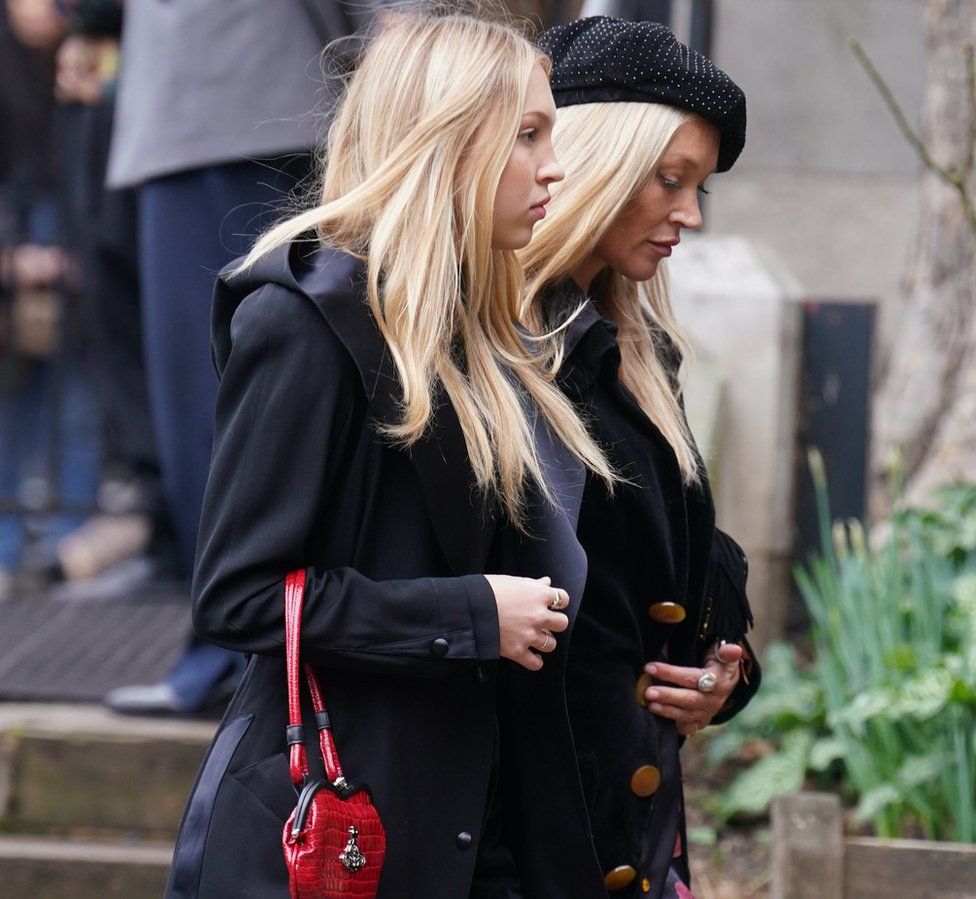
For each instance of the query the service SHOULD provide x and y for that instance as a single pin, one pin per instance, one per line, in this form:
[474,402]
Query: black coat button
[463,840]
[439,647]
[480,675]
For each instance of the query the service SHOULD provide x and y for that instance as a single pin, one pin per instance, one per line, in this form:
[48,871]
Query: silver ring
[545,645]
[557,603]
[707,682]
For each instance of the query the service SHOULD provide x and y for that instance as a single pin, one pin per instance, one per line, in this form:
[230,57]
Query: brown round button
[667,612]
[645,780]
[619,877]
[643,682]
[645,885]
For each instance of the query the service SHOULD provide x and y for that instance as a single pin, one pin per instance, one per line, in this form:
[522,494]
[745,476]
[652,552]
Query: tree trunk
[925,396]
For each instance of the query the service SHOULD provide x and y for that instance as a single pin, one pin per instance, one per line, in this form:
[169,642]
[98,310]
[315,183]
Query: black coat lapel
[463,519]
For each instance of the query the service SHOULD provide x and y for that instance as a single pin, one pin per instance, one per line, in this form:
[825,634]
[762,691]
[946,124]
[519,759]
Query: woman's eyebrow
[683,160]
[538,112]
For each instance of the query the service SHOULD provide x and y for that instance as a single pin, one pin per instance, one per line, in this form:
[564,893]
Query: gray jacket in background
[206,82]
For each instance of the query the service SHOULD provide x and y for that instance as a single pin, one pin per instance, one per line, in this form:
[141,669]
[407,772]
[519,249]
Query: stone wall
[826,180]
[739,308]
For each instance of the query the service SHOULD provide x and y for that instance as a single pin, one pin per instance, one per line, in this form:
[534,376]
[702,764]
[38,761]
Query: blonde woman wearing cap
[656,646]
[372,426]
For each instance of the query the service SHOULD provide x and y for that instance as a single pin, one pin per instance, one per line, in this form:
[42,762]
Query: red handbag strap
[297,759]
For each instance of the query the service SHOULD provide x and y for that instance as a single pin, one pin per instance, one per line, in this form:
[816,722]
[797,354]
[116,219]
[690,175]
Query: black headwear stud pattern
[601,59]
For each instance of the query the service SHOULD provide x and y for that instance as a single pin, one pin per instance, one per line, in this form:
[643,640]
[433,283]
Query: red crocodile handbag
[334,842]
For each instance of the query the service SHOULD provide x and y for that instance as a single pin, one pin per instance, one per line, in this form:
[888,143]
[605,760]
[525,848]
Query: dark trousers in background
[191,225]
[108,222]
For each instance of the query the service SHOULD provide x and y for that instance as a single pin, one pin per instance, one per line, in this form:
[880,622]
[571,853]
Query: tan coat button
[645,780]
[667,612]
[646,885]
[619,877]
[643,682]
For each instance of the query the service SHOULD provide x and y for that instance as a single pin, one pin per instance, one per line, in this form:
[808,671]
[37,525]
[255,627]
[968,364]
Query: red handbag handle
[297,759]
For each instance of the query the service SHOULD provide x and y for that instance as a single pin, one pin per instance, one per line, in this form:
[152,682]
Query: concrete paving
[63,719]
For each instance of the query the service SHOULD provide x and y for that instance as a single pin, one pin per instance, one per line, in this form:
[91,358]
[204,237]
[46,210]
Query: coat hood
[330,278]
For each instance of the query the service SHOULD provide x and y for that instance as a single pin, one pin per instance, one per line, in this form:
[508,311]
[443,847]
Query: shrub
[887,709]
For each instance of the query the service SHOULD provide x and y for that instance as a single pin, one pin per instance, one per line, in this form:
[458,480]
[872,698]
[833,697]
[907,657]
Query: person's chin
[515,239]
[642,271]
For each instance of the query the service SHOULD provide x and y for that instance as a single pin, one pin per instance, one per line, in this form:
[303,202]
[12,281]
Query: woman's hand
[684,702]
[527,617]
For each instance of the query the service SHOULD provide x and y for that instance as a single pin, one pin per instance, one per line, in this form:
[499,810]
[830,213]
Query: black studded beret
[601,59]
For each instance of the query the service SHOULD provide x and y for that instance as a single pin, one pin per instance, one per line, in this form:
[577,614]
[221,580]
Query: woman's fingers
[727,653]
[686,706]
[685,703]
[529,617]
[556,622]
[679,697]
[678,675]
[548,643]
[529,659]
[688,720]
[559,600]
[682,676]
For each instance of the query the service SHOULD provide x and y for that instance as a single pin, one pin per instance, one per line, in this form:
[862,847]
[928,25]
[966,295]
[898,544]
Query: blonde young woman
[372,426]
[658,645]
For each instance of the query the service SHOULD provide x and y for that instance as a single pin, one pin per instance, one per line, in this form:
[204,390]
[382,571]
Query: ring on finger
[545,646]
[558,603]
[707,682]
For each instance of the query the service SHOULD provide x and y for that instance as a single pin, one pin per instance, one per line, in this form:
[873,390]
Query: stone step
[80,770]
[51,868]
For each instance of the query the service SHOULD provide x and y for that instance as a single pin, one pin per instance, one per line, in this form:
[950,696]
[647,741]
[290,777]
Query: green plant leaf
[924,696]
[875,801]
[824,752]
[782,772]
[862,708]
[920,769]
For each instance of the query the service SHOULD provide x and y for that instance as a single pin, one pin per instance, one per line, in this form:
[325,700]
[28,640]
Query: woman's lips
[663,249]
[539,209]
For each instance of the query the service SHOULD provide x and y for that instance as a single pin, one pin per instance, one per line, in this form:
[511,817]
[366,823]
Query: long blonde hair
[412,164]
[609,152]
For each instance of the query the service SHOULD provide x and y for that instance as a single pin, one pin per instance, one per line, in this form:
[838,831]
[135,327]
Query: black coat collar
[592,353]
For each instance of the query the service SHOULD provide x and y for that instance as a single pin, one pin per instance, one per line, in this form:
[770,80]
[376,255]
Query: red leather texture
[340,845]
[314,866]
[294,595]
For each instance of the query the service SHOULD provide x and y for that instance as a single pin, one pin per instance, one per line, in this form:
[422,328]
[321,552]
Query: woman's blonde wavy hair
[411,167]
[610,151]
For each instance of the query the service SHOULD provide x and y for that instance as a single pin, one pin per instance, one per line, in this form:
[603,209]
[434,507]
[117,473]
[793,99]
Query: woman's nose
[551,172]
[689,215]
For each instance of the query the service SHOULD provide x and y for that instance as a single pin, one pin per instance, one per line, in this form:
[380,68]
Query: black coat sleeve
[728,617]
[287,392]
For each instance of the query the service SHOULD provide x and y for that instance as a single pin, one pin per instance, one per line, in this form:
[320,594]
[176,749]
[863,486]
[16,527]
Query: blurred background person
[212,131]
[109,551]
[49,434]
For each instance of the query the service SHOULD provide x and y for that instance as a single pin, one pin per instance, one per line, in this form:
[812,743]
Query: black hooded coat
[398,618]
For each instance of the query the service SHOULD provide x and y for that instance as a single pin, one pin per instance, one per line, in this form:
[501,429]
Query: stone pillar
[740,310]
